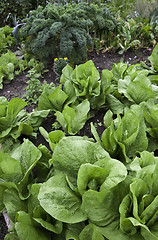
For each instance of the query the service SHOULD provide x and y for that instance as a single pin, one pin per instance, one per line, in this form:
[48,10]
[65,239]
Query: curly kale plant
[60,29]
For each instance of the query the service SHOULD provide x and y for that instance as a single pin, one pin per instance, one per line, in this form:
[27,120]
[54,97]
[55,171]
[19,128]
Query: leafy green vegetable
[14,121]
[150,114]
[26,227]
[127,134]
[72,120]
[8,63]
[61,202]
[139,207]
[93,176]
[6,39]
[153,58]
[84,190]
[52,137]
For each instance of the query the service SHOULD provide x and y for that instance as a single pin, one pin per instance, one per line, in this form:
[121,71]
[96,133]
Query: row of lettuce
[85,188]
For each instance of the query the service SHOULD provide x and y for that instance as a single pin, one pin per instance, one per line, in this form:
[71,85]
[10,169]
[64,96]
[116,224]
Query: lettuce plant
[8,64]
[150,115]
[17,184]
[68,197]
[138,209]
[6,40]
[15,122]
[73,119]
[52,137]
[123,137]
[86,82]
[85,194]
[85,184]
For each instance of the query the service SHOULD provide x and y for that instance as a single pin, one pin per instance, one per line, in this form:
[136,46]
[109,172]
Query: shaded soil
[102,61]
[3,228]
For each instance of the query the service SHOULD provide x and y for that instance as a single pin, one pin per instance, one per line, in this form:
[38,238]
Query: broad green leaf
[150,114]
[123,85]
[66,74]
[108,140]
[11,170]
[73,119]
[131,133]
[101,201]
[86,79]
[3,187]
[44,133]
[106,78]
[11,236]
[113,232]
[101,207]
[36,118]
[39,214]
[55,227]
[82,111]
[33,202]
[61,119]
[115,105]
[57,98]
[154,58]
[44,102]
[119,70]
[66,118]
[117,172]
[54,138]
[90,177]
[71,152]
[140,89]
[130,124]
[27,154]
[22,128]
[141,141]
[27,228]
[70,91]
[13,108]
[73,231]
[13,203]
[90,232]
[60,201]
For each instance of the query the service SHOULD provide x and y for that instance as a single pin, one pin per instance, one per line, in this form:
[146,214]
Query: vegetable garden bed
[102,61]
[79,120]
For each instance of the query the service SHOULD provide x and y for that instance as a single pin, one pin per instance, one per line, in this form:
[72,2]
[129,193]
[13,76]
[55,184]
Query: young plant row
[104,190]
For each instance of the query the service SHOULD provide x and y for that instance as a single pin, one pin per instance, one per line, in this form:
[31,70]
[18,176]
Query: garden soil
[102,61]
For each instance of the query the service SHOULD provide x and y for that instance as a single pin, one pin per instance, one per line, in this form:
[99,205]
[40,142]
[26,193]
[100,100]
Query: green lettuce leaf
[72,120]
[154,58]
[27,228]
[60,201]
[76,150]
